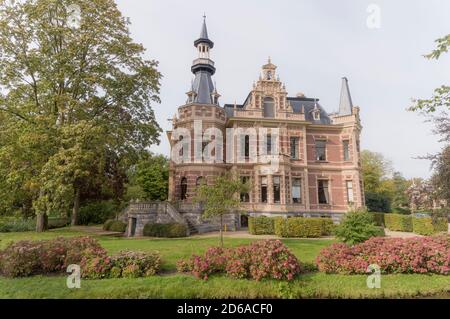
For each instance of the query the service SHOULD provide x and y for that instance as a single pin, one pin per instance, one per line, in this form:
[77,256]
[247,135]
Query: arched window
[183,188]
[269,107]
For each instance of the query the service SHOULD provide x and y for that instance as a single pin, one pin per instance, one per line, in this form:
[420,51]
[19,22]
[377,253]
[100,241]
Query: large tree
[439,102]
[76,95]
[376,171]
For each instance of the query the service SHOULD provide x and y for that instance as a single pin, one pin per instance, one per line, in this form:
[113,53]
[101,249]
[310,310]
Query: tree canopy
[75,102]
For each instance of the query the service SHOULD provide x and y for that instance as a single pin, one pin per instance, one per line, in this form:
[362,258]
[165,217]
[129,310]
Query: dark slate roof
[296,103]
[345,104]
[203,87]
[204,36]
[308,104]
[229,109]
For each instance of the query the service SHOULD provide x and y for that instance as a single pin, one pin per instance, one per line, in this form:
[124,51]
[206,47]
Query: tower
[203,90]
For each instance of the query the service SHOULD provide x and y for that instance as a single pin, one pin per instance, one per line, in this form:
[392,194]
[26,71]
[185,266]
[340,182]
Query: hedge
[115,225]
[302,227]
[397,222]
[261,225]
[378,218]
[426,226]
[170,230]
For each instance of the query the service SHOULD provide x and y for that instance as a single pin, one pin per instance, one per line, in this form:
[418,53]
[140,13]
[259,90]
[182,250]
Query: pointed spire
[345,104]
[204,35]
[204,31]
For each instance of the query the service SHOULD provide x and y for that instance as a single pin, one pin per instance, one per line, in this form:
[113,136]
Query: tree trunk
[41,223]
[76,207]
[221,230]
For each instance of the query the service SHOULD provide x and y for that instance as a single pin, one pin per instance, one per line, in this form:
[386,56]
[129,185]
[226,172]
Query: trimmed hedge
[302,227]
[423,226]
[378,218]
[261,225]
[397,222]
[427,226]
[58,222]
[170,230]
[115,225]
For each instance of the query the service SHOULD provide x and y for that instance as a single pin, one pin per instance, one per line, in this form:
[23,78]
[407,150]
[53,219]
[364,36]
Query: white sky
[313,43]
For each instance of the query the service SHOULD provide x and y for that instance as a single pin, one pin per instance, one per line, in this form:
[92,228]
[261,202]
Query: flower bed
[26,258]
[393,255]
[258,260]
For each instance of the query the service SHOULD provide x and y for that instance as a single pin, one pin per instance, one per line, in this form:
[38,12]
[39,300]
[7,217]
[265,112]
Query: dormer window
[269,75]
[316,115]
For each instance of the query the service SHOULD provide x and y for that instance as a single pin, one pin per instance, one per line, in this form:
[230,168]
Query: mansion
[317,154]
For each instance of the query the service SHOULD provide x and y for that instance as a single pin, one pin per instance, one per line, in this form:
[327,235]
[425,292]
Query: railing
[157,207]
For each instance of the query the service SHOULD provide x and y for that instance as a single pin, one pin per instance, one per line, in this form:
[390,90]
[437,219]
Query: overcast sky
[314,44]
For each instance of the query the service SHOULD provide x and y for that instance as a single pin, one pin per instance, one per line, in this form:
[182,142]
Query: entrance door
[244,221]
[133,227]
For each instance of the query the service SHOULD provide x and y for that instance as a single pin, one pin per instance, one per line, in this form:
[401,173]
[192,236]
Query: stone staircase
[164,212]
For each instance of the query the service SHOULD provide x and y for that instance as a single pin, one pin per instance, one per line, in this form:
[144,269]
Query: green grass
[169,285]
[314,285]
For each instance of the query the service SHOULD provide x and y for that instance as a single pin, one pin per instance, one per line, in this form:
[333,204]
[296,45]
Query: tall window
[264,189]
[245,197]
[324,196]
[247,146]
[276,189]
[269,144]
[346,150]
[296,190]
[350,198]
[269,107]
[321,150]
[183,188]
[294,147]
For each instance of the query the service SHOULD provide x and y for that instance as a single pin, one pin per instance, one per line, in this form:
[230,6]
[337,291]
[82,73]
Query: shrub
[378,202]
[428,225]
[398,222]
[393,255]
[422,226]
[26,258]
[108,223]
[305,227]
[139,263]
[328,227]
[258,260]
[117,226]
[97,212]
[9,225]
[170,230]
[356,227]
[378,218]
[261,225]
[126,264]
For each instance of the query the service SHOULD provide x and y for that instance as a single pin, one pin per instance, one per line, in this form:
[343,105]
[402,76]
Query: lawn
[171,285]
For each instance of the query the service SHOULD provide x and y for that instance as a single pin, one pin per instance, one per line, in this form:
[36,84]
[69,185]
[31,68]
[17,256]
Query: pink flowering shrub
[393,255]
[26,258]
[127,264]
[258,260]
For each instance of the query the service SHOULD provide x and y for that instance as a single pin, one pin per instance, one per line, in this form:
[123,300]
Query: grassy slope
[183,286]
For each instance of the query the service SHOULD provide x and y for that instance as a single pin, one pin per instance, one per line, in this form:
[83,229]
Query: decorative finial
[204,16]
[269,60]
